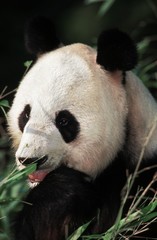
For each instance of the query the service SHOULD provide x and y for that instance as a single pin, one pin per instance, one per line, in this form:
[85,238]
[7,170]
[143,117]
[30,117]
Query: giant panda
[82,116]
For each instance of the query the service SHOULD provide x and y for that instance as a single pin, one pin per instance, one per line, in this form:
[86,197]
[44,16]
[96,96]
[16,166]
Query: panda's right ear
[40,36]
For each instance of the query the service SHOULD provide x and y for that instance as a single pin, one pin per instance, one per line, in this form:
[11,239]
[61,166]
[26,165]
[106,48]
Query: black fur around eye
[67,125]
[63,122]
[24,117]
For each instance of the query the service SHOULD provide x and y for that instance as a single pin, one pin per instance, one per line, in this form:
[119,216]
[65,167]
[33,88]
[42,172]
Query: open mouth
[38,176]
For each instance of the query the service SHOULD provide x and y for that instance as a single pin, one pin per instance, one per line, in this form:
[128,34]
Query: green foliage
[78,233]
[141,24]
[27,64]
[13,188]
[4,103]
[147,66]
[142,27]
[137,220]
[106,5]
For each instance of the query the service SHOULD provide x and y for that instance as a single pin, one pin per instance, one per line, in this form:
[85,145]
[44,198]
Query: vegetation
[13,186]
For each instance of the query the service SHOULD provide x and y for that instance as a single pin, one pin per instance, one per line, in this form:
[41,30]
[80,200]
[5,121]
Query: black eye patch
[24,117]
[67,125]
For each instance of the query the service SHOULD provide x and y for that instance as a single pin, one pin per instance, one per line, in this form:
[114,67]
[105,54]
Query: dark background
[76,21]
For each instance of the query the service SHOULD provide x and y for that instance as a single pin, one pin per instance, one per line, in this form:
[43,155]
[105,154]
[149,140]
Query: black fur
[24,117]
[68,126]
[40,36]
[116,51]
[66,199]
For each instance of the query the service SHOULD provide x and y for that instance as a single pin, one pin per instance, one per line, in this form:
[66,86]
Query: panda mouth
[38,176]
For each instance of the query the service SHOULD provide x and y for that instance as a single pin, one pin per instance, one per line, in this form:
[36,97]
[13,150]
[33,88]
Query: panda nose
[27,161]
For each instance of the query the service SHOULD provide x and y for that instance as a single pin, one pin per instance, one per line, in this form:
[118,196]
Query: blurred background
[76,21]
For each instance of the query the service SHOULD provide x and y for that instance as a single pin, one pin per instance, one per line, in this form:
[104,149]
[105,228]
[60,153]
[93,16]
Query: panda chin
[32,184]
[36,177]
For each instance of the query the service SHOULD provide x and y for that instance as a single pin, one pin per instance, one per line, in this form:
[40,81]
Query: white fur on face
[69,79]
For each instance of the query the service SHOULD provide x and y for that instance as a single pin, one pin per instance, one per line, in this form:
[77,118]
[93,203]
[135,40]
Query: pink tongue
[37,176]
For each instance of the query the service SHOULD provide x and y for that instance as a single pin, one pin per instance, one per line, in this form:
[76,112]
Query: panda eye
[63,122]
[67,125]
[24,117]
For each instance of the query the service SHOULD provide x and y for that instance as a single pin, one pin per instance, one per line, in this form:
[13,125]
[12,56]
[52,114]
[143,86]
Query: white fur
[141,117]
[69,78]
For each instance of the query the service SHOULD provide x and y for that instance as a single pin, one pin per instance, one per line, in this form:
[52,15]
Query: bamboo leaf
[4,103]
[92,1]
[149,208]
[105,7]
[28,63]
[78,232]
[17,175]
[24,172]
[149,217]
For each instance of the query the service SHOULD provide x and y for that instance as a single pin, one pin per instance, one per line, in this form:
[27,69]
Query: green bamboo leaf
[149,217]
[105,7]
[28,63]
[4,103]
[143,44]
[17,175]
[112,232]
[92,1]
[149,67]
[24,172]
[78,232]
[149,208]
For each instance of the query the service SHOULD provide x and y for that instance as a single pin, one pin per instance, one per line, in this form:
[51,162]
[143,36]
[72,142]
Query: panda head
[70,108]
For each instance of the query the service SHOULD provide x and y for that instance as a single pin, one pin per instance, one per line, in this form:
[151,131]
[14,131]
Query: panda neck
[142,118]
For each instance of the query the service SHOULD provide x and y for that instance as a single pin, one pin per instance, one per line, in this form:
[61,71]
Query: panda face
[68,110]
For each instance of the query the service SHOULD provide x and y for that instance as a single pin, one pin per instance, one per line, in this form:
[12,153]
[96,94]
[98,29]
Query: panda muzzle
[38,161]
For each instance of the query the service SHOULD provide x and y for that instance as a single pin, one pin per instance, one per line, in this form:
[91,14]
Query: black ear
[116,51]
[40,36]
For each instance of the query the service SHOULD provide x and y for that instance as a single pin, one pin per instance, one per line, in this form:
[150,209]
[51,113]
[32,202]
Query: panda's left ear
[40,36]
[116,51]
